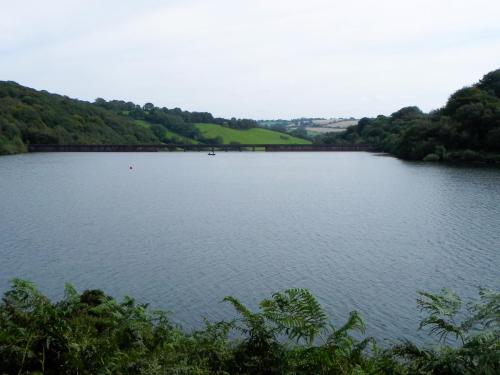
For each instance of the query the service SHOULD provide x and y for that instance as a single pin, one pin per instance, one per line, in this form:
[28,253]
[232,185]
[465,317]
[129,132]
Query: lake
[183,230]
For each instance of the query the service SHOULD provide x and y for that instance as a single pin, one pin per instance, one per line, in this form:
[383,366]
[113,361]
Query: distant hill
[249,136]
[29,116]
[467,128]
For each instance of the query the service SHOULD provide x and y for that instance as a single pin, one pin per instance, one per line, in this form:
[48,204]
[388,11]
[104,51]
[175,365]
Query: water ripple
[182,230]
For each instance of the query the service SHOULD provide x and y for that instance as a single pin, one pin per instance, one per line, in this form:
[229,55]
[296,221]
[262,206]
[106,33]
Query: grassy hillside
[29,116]
[173,137]
[248,136]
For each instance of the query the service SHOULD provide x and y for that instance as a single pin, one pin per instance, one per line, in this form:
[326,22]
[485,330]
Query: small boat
[212,153]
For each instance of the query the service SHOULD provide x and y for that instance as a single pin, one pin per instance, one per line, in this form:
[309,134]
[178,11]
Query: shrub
[431,157]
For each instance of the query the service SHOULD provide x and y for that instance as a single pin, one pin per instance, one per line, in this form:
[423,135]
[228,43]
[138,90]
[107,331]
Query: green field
[228,135]
[176,138]
[249,136]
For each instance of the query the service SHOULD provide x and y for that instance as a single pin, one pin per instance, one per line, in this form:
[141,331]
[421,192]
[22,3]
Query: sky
[253,59]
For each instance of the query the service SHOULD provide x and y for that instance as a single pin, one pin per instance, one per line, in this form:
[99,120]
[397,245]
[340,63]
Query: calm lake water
[183,230]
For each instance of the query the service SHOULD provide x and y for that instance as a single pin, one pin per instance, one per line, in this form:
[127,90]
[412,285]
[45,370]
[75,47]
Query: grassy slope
[169,133]
[250,136]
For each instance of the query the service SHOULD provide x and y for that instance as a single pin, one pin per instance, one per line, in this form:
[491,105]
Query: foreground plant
[474,329]
[92,333]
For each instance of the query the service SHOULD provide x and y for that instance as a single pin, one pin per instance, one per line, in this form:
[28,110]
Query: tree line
[174,119]
[467,128]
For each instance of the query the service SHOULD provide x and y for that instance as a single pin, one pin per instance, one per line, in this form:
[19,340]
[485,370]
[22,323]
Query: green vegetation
[467,128]
[92,333]
[30,116]
[38,117]
[168,135]
[247,136]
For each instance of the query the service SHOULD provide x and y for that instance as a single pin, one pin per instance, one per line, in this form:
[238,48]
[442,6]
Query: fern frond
[295,312]
[240,308]
[486,312]
[442,309]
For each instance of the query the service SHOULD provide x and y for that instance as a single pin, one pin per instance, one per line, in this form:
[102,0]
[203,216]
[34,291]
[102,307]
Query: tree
[491,83]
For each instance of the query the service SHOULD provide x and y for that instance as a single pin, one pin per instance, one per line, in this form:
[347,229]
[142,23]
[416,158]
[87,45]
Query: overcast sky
[256,59]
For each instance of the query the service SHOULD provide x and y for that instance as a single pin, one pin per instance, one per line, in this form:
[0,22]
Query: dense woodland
[31,116]
[92,333]
[467,128]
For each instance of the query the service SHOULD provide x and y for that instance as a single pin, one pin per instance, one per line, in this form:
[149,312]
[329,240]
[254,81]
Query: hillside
[247,136]
[172,136]
[467,128]
[29,116]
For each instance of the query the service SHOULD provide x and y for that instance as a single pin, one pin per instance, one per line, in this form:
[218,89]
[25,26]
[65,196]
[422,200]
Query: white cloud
[259,59]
